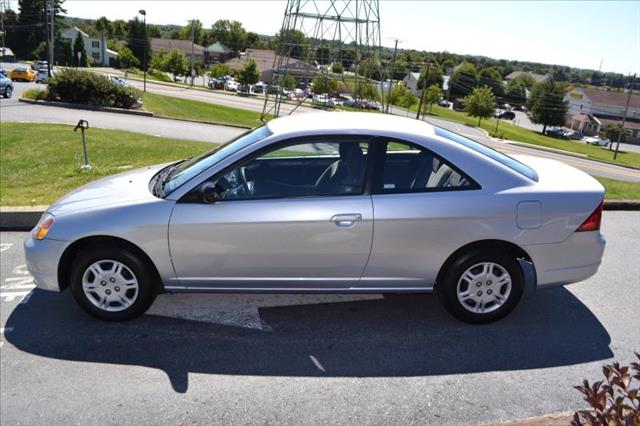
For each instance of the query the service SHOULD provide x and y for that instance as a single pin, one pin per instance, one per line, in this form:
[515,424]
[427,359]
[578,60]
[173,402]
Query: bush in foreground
[613,401]
[84,87]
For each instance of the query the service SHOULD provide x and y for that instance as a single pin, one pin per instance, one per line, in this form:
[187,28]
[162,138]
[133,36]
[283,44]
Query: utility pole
[624,117]
[193,36]
[47,34]
[52,10]
[424,86]
[144,54]
[393,71]
[2,33]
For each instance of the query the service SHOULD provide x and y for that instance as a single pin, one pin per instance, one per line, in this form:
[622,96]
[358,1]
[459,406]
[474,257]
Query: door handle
[346,220]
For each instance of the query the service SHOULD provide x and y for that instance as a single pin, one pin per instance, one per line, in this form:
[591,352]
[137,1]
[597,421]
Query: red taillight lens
[593,222]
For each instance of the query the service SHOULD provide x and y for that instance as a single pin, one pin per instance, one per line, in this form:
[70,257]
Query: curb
[201,122]
[555,419]
[25,218]
[86,107]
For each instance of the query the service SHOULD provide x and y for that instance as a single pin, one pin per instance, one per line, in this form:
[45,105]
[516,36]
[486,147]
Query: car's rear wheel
[113,283]
[481,287]
[8,92]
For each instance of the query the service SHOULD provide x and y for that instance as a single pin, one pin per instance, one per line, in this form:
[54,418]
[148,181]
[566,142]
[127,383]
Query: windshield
[505,160]
[193,167]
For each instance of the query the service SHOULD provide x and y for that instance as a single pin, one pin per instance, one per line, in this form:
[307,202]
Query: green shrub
[159,75]
[36,94]
[84,87]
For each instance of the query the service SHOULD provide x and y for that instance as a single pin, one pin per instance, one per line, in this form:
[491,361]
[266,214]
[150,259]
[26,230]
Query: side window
[411,168]
[322,167]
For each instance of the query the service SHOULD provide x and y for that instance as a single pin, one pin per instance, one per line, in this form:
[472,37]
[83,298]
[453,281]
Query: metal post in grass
[84,125]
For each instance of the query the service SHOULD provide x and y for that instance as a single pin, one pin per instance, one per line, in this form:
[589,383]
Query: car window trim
[378,186]
[360,138]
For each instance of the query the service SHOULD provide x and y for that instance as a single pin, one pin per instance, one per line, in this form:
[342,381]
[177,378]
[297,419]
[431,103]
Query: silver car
[331,203]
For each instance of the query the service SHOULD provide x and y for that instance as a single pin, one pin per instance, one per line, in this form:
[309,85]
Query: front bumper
[573,260]
[43,258]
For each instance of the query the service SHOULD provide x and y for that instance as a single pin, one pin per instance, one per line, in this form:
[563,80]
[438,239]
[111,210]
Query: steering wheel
[246,186]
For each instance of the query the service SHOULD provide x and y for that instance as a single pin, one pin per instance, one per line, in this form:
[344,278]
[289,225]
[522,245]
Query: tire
[476,290]
[7,92]
[108,293]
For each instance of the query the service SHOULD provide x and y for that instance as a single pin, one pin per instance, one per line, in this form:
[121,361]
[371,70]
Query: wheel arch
[66,260]
[510,248]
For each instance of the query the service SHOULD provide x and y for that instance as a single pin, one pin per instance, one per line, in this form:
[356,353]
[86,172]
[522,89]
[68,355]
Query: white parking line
[5,246]
[13,295]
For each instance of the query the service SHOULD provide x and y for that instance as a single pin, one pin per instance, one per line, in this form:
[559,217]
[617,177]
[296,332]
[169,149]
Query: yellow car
[23,74]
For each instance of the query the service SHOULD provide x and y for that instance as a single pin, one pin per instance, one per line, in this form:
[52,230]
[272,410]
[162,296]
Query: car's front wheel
[8,92]
[113,283]
[481,287]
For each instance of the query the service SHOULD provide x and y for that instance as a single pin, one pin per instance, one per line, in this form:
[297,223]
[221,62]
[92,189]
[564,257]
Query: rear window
[501,158]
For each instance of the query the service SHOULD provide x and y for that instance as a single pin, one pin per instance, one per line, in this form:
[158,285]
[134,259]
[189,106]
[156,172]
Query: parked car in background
[231,85]
[259,87]
[6,86]
[38,65]
[117,80]
[215,83]
[22,73]
[329,202]
[555,132]
[3,72]
[444,103]
[571,134]
[597,140]
[507,115]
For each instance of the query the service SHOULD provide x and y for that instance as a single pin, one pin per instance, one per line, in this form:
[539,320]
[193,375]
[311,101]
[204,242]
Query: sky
[574,33]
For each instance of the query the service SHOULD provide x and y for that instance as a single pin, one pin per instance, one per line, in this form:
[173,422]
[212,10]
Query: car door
[419,219]
[294,216]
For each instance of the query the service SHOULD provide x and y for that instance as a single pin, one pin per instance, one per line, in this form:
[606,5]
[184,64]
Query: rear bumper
[43,257]
[573,260]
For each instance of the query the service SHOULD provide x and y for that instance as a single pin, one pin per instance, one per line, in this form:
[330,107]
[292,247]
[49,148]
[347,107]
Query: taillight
[592,223]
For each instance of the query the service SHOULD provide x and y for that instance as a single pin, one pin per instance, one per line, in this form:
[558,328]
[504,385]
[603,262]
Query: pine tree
[78,47]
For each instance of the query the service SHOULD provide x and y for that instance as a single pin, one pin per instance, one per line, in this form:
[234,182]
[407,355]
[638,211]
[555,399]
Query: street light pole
[144,54]
[393,71]
[624,117]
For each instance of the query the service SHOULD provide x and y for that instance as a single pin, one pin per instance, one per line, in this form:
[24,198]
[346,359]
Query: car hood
[112,190]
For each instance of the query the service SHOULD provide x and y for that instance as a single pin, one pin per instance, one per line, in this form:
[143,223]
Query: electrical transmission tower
[316,36]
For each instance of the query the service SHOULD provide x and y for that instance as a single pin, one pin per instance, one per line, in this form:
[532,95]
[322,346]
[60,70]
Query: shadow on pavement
[394,336]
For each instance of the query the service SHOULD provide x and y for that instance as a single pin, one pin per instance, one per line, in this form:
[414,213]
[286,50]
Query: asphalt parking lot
[312,359]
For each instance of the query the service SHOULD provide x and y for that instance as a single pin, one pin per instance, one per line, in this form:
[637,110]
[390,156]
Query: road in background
[11,110]
[238,359]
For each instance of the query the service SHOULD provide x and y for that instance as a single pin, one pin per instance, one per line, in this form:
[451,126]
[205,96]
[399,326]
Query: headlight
[44,224]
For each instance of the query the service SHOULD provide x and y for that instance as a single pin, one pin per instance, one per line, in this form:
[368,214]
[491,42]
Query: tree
[434,77]
[127,59]
[119,29]
[526,80]
[516,91]
[254,41]
[463,80]
[336,68]
[138,41]
[230,33]
[249,74]
[292,42]
[30,33]
[196,26]
[546,104]
[432,95]
[324,84]
[402,97]
[480,103]
[103,26]
[176,63]
[219,70]
[287,82]
[612,132]
[364,89]
[492,78]
[323,55]
[79,51]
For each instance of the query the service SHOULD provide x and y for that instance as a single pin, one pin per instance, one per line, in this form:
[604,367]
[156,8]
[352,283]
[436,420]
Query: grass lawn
[520,134]
[169,106]
[41,162]
[618,190]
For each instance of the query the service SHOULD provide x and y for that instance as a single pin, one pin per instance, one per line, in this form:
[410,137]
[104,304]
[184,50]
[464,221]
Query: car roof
[348,122]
